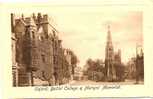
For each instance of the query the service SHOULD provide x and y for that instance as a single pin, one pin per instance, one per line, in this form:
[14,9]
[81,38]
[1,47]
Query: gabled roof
[19,25]
[17,21]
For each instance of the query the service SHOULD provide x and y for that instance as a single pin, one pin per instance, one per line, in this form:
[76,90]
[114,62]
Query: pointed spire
[109,56]
[109,39]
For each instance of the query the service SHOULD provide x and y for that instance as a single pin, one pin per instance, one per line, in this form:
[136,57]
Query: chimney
[12,22]
[39,18]
[45,18]
[22,16]
[34,17]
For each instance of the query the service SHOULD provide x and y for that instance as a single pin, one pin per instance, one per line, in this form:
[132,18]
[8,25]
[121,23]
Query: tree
[120,70]
[95,69]
[90,64]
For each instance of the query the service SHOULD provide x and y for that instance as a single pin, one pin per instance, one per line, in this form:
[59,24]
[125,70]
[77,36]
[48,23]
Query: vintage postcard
[77,50]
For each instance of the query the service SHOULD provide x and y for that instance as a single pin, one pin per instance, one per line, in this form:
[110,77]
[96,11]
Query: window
[33,35]
[54,60]
[43,58]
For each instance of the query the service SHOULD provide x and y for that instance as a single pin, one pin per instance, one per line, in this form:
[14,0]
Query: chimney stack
[12,22]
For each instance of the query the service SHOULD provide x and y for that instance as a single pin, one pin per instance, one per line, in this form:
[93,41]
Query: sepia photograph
[77,48]
[96,49]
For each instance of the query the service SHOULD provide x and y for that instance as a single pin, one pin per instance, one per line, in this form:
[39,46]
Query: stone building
[19,27]
[139,64]
[78,75]
[135,68]
[119,67]
[37,51]
[117,57]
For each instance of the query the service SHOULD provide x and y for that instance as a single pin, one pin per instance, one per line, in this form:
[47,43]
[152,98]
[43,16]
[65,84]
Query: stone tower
[109,58]
[30,54]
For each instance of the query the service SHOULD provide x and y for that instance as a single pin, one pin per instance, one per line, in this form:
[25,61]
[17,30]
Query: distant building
[117,57]
[135,66]
[131,69]
[139,64]
[78,74]
[119,67]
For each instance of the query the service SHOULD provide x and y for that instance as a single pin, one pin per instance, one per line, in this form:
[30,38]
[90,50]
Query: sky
[85,32]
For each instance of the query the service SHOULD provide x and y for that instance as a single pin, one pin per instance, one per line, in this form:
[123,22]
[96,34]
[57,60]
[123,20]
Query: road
[89,82]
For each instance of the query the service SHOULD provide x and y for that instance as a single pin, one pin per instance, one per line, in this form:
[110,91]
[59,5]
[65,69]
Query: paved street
[89,82]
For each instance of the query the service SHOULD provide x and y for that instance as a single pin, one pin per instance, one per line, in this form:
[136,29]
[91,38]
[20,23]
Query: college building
[38,57]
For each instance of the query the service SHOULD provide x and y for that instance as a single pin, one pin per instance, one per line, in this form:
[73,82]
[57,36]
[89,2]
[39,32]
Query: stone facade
[14,63]
[135,68]
[38,51]
[139,64]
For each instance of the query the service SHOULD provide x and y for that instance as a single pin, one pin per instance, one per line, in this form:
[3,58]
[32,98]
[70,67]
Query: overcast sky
[85,32]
